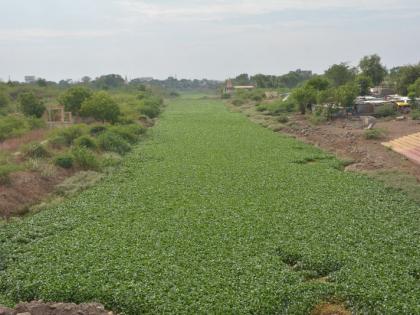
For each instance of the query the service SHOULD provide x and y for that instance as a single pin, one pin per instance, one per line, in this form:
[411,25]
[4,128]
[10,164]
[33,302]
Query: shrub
[64,161]
[97,129]
[110,160]
[35,150]
[129,133]
[69,134]
[283,119]
[385,112]
[415,114]
[84,159]
[31,105]
[101,106]
[238,102]
[373,134]
[4,100]
[12,126]
[225,96]
[5,171]
[151,107]
[110,141]
[86,142]
[35,123]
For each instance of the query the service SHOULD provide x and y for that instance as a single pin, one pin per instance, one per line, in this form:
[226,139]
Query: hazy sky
[59,39]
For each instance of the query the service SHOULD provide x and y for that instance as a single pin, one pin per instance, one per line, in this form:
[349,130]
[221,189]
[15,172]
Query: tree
[242,79]
[346,94]
[110,81]
[414,92]
[31,105]
[101,107]
[404,76]
[41,82]
[74,97]
[86,79]
[364,83]
[304,97]
[319,83]
[340,74]
[371,67]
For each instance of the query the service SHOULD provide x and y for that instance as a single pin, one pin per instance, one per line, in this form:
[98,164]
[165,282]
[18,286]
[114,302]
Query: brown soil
[26,189]
[345,138]
[14,144]
[330,309]
[40,308]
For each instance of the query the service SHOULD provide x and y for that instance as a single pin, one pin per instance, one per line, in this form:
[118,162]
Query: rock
[399,118]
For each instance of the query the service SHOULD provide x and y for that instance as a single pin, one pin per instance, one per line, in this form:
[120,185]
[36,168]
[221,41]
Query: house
[230,88]
[371,105]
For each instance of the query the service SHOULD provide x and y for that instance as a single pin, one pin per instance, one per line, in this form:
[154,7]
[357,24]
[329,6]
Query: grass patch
[373,134]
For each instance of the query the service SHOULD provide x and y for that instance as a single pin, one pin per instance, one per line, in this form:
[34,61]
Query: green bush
[385,112]
[110,141]
[5,171]
[85,159]
[97,129]
[64,161]
[151,107]
[283,119]
[110,160]
[86,142]
[12,126]
[71,133]
[130,133]
[238,101]
[31,105]
[35,123]
[35,150]
[100,106]
[415,114]
[373,134]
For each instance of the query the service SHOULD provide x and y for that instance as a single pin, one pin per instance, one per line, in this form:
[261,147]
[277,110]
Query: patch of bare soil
[26,189]
[40,308]
[14,144]
[330,309]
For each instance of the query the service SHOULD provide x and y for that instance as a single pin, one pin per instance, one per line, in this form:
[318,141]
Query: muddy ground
[41,308]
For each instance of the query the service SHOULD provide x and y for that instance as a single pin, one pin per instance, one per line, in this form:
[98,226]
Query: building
[30,79]
[230,88]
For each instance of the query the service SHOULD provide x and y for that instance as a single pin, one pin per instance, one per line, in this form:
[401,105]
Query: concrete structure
[409,146]
[56,115]
[30,79]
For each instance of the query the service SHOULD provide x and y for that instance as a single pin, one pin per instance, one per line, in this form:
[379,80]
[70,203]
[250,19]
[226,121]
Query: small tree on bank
[101,106]
[31,105]
[74,97]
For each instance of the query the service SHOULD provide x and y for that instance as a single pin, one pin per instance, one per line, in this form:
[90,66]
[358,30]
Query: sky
[61,39]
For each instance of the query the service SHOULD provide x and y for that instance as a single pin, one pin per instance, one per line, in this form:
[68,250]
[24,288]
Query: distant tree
[404,76]
[65,83]
[304,97]
[41,82]
[340,74]
[319,83]
[31,105]
[110,81]
[371,67]
[242,79]
[74,97]
[364,83]
[100,106]
[86,79]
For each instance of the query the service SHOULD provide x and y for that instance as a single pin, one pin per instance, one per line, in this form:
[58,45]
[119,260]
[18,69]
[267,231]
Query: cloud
[39,33]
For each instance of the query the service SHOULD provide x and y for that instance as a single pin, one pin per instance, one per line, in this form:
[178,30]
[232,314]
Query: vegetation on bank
[109,121]
[243,221]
